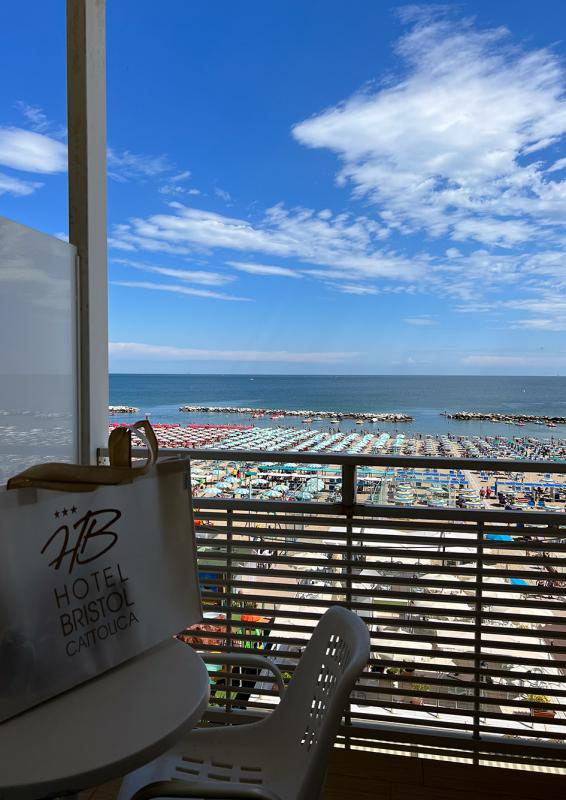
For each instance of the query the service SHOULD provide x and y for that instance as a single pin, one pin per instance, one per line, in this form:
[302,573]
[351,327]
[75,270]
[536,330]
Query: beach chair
[283,756]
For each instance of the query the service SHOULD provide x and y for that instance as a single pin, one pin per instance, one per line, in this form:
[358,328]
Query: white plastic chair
[281,757]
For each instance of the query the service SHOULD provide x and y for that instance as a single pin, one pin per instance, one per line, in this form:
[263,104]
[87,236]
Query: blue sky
[321,187]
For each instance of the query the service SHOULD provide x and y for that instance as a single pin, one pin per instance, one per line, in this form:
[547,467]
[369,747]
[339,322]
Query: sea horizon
[338,374]
[160,395]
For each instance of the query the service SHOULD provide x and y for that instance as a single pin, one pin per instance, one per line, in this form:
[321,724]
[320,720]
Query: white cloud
[348,244]
[35,116]
[545,304]
[482,275]
[179,289]
[191,276]
[181,176]
[490,360]
[16,186]
[222,194]
[39,122]
[264,269]
[148,351]
[444,147]
[174,189]
[171,189]
[353,288]
[474,308]
[548,308]
[541,324]
[558,165]
[31,152]
[124,165]
[542,362]
[420,322]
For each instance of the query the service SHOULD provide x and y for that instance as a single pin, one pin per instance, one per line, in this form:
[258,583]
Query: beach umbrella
[303,496]
[241,492]
[260,482]
[212,491]
[224,485]
[272,494]
[314,485]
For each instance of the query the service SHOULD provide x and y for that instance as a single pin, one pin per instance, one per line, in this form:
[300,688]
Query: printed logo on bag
[96,605]
[93,538]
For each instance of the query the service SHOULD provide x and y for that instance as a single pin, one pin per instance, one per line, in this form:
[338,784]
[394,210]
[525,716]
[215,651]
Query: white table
[104,728]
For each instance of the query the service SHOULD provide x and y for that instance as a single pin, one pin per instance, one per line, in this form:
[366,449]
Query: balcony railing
[466,608]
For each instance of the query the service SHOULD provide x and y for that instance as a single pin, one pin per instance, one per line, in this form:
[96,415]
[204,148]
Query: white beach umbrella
[314,485]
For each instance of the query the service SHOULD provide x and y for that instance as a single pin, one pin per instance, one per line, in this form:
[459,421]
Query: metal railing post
[478,605]
[229,629]
[348,503]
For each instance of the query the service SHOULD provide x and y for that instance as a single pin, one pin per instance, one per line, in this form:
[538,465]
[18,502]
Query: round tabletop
[104,728]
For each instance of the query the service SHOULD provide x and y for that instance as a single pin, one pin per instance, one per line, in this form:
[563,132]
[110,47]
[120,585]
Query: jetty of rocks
[493,416]
[362,416]
[122,410]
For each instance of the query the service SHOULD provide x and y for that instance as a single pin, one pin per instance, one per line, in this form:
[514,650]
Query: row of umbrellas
[175,435]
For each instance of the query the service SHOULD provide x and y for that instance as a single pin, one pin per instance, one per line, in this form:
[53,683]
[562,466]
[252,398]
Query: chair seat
[203,755]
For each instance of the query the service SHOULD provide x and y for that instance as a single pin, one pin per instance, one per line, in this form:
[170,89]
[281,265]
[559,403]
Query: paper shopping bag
[91,579]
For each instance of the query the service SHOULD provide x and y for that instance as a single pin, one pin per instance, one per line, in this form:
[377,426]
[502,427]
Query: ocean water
[423,397]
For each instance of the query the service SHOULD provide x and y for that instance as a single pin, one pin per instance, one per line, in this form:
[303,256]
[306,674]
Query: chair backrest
[308,717]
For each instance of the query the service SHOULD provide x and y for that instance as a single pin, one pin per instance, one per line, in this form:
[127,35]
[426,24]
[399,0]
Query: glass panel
[38,364]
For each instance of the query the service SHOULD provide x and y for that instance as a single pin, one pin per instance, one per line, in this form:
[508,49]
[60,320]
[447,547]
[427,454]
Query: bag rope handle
[85,478]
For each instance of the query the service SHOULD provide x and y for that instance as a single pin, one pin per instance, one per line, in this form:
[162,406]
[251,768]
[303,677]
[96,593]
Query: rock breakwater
[492,416]
[363,416]
[122,410]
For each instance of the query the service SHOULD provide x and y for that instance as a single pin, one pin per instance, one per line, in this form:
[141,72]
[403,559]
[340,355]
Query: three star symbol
[65,511]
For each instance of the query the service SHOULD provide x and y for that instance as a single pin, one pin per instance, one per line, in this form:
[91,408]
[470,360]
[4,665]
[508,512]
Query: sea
[424,397]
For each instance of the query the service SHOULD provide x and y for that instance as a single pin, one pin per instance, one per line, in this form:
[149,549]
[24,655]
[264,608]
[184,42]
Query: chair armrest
[246,660]
[203,789]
